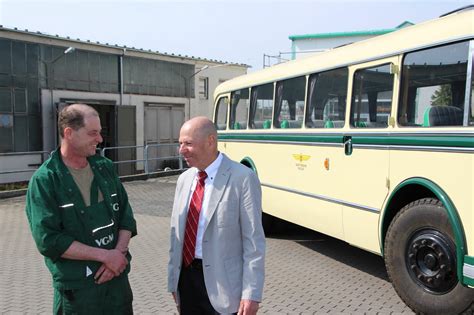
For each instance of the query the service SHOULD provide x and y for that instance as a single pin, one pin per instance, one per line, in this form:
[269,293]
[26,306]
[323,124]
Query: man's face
[195,148]
[84,141]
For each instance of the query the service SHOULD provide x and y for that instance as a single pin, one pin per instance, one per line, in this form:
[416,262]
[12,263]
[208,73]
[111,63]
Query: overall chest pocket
[70,221]
[102,225]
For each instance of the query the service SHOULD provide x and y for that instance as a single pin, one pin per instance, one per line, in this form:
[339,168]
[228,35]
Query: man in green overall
[81,220]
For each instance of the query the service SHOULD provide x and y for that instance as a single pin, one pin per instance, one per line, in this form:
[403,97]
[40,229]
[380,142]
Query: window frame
[403,107]
[224,97]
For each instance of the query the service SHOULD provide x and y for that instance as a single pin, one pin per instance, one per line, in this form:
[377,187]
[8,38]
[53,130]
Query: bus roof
[455,26]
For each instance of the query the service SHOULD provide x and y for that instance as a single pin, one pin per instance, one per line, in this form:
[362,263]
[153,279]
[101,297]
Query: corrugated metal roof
[128,48]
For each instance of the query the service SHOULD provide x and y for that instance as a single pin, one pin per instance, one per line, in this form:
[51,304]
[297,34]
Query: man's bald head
[198,142]
[73,116]
[201,126]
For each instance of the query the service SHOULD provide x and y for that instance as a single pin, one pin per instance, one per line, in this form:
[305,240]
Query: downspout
[116,138]
[121,75]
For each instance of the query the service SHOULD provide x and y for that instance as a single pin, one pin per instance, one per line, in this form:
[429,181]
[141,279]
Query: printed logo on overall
[104,241]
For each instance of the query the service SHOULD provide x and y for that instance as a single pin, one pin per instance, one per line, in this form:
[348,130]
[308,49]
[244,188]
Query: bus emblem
[301,157]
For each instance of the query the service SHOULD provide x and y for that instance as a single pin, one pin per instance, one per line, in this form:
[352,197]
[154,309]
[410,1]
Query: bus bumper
[468,271]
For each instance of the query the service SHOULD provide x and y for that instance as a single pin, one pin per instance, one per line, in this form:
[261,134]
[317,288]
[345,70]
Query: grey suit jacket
[233,246]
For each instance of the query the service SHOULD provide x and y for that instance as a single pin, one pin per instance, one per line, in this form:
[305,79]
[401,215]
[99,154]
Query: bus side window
[289,103]
[434,87]
[326,105]
[372,97]
[239,108]
[261,105]
[220,117]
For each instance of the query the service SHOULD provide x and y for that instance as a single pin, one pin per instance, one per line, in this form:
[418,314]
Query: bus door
[365,151]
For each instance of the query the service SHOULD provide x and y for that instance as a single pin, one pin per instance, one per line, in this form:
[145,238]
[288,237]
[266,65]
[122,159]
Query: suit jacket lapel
[220,182]
[184,203]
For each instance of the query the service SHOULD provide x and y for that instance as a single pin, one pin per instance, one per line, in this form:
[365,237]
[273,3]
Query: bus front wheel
[420,256]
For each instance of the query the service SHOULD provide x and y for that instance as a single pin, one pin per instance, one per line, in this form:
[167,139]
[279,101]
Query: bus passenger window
[289,104]
[239,107]
[327,92]
[220,117]
[434,87]
[372,97]
[261,106]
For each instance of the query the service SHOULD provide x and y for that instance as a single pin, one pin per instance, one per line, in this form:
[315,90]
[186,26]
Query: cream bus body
[351,182]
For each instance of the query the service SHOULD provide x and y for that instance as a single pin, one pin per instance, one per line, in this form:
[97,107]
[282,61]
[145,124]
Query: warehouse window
[20,120]
[203,88]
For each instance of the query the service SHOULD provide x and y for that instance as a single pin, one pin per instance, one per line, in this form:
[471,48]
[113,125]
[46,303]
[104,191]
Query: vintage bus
[371,143]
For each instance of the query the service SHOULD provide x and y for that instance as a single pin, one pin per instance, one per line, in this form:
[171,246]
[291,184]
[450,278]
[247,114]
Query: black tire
[268,223]
[420,256]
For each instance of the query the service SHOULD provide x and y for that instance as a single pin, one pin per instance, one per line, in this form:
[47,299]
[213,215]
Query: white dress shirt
[211,172]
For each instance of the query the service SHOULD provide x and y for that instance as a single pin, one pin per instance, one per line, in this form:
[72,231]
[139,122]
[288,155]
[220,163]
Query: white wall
[201,107]
[17,162]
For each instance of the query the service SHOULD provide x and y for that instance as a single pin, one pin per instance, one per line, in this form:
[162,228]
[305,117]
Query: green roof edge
[346,34]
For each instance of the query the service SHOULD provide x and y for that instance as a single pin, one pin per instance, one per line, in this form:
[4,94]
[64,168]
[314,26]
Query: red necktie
[190,233]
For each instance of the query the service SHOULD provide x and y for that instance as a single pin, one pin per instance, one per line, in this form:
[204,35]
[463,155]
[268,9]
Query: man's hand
[248,307]
[103,275]
[115,260]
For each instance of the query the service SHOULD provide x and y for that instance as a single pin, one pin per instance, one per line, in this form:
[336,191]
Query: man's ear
[212,139]
[67,132]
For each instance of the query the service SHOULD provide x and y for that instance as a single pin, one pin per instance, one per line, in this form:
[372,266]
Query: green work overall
[113,297]
[58,216]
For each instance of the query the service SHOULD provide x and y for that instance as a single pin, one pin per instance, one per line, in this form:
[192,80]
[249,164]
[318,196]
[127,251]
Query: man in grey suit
[222,272]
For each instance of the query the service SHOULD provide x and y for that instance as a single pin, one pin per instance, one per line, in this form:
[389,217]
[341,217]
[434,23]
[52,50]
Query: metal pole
[188,83]
[48,82]
[145,155]
[121,76]
[53,110]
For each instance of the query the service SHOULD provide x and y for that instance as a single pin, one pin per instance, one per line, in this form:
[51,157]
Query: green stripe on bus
[284,138]
[444,141]
[468,281]
[464,141]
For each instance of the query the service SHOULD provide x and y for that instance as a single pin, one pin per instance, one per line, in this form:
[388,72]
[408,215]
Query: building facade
[143,97]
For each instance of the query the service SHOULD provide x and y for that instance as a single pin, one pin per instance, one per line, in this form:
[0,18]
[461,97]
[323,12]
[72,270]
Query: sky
[226,30]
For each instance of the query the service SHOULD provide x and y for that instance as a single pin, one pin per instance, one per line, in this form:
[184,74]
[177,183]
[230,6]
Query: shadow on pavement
[331,247]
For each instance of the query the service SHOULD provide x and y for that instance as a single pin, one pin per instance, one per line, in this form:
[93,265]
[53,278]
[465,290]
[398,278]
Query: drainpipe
[121,75]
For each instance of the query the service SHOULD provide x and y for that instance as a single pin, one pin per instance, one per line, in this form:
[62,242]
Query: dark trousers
[192,291]
[113,297]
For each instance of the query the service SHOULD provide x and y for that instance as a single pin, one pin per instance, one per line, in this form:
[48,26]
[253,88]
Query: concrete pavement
[306,272]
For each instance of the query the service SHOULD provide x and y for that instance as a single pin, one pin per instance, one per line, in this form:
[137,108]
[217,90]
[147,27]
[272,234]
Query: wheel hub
[431,261]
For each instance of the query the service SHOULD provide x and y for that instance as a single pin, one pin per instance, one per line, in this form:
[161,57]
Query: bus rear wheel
[420,256]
